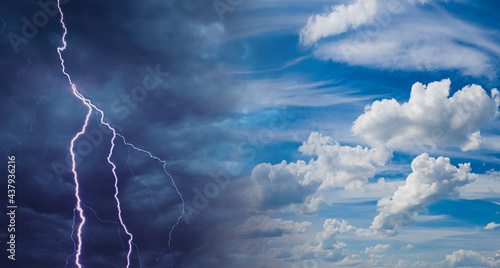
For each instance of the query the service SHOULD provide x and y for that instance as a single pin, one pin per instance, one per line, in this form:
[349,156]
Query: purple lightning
[90,107]
[164,164]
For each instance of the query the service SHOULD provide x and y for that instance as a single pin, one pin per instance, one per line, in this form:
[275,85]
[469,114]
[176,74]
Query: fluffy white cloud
[341,19]
[431,180]
[399,35]
[469,258]
[351,260]
[335,166]
[430,117]
[325,246]
[379,248]
[340,166]
[263,226]
[491,226]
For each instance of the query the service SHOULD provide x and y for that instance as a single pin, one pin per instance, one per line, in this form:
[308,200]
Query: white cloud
[491,226]
[430,117]
[395,49]
[424,264]
[401,263]
[325,246]
[311,205]
[351,260]
[400,36]
[263,226]
[341,19]
[379,248]
[469,258]
[335,166]
[431,180]
[407,247]
[340,166]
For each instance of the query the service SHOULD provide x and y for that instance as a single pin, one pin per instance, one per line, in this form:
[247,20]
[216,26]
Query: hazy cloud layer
[259,225]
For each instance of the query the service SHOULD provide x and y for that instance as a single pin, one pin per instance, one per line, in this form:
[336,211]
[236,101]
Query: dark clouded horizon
[282,134]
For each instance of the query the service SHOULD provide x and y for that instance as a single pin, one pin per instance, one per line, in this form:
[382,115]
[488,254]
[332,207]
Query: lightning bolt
[71,237]
[49,96]
[90,106]
[115,223]
[145,184]
[106,221]
[164,164]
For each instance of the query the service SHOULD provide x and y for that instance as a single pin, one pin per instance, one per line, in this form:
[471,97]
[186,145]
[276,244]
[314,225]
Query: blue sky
[356,133]
[419,41]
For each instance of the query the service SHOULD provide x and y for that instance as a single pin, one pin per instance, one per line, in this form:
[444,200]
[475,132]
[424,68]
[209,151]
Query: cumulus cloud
[263,226]
[311,205]
[379,248]
[335,166]
[341,19]
[491,226]
[351,260]
[325,246]
[402,36]
[469,258]
[429,117]
[431,180]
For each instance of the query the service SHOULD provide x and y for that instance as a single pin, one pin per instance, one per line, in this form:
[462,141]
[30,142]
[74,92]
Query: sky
[250,133]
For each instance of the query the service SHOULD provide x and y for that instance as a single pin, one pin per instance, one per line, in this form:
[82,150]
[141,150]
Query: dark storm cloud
[112,50]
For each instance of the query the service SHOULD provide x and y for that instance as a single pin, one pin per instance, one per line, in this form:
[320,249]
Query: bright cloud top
[491,226]
[431,180]
[470,258]
[341,19]
[430,117]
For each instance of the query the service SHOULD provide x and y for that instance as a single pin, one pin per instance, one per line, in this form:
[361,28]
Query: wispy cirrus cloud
[401,35]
